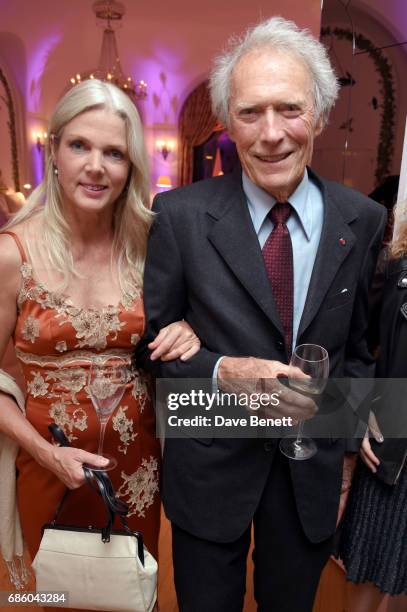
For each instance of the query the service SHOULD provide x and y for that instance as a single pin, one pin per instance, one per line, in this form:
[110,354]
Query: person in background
[373,543]
[385,194]
[10,202]
[259,261]
[72,267]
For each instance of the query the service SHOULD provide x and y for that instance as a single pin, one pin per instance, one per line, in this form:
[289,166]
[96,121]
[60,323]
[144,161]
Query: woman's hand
[368,455]
[174,341]
[66,463]
[366,452]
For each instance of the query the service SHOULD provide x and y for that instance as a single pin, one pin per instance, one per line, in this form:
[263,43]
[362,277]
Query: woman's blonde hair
[132,217]
[398,244]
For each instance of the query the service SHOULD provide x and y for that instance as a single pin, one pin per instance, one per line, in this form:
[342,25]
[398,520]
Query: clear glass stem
[299,434]
[101,437]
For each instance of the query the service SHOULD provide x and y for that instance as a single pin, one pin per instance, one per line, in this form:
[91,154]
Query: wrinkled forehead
[266,65]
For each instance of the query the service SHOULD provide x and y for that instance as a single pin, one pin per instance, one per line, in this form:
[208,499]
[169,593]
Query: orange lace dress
[55,342]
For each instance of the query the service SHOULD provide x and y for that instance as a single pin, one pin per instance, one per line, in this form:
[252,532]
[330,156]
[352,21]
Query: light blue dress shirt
[304,225]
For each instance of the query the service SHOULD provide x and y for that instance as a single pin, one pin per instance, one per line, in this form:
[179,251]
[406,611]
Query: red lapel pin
[342,241]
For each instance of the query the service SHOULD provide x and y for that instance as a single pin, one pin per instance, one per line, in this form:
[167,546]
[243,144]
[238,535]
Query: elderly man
[258,262]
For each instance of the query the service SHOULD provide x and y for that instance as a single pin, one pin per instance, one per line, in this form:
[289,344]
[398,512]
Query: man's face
[272,122]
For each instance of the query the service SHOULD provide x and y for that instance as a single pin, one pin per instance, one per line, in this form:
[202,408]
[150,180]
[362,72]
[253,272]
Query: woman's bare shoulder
[10,258]
[27,230]
[10,282]
[10,254]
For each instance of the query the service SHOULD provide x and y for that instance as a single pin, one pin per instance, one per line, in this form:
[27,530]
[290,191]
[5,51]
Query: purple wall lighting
[37,63]
[37,156]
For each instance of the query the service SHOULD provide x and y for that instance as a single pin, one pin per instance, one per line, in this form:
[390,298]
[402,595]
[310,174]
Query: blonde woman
[71,265]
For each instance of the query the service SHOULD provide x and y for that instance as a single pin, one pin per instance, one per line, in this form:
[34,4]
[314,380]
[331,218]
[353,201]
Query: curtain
[196,124]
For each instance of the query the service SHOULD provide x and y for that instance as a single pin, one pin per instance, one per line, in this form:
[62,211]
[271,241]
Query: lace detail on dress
[31,329]
[140,389]
[68,381]
[61,346]
[63,360]
[124,426]
[93,327]
[37,386]
[64,377]
[135,339]
[60,415]
[140,487]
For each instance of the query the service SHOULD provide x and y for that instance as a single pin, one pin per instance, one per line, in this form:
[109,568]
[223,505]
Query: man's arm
[166,300]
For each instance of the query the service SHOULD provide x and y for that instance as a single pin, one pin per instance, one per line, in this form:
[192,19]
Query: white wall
[169,44]
[358,166]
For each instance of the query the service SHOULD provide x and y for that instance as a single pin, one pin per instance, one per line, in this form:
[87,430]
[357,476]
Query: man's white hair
[284,36]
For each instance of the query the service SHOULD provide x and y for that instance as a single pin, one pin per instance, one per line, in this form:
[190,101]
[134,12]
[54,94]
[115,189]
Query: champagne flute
[313,360]
[108,376]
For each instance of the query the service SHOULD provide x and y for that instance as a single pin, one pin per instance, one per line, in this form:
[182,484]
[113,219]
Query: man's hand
[250,375]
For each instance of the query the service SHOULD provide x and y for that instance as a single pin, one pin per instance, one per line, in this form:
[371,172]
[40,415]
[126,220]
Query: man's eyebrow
[246,105]
[299,102]
[293,101]
[296,103]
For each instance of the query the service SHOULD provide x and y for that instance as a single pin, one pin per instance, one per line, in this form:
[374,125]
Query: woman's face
[92,160]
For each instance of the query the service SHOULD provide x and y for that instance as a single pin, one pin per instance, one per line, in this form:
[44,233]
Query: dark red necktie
[278,257]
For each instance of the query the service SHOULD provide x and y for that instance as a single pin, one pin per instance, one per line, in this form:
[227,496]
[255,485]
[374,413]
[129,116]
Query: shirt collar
[260,203]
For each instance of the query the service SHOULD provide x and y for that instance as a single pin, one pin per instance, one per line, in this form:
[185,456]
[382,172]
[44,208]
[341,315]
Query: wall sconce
[164,147]
[15,199]
[164,181]
[40,138]
[20,196]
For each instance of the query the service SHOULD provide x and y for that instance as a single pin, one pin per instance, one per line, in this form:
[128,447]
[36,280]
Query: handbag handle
[101,483]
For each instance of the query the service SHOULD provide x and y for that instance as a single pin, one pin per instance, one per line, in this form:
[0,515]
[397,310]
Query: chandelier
[110,69]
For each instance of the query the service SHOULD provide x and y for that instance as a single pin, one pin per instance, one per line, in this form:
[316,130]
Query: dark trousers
[211,576]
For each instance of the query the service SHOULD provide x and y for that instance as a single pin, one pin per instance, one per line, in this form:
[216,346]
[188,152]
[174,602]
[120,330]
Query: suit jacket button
[268,446]
[280,344]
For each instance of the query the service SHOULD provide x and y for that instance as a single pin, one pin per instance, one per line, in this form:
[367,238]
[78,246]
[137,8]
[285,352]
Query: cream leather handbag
[98,569]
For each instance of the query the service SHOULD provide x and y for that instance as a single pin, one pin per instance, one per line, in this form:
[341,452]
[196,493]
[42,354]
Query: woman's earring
[55,171]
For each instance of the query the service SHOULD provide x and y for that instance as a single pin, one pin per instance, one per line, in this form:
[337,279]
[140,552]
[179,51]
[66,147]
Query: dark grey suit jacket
[204,265]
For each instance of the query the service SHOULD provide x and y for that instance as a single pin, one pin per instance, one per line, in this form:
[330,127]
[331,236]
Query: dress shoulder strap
[19,245]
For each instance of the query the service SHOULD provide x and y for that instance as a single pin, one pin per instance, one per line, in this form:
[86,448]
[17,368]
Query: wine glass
[313,360]
[108,376]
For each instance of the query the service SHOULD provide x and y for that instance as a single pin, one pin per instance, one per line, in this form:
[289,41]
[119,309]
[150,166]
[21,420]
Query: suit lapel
[235,239]
[337,240]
